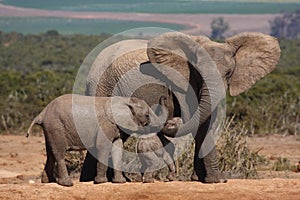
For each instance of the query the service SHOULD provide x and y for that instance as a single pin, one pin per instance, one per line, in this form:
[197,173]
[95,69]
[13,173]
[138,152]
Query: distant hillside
[163,6]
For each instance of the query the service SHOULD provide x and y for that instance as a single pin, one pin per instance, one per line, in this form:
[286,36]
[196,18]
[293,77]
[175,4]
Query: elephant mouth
[145,124]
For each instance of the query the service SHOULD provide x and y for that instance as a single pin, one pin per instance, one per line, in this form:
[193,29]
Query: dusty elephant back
[71,117]
[108,56]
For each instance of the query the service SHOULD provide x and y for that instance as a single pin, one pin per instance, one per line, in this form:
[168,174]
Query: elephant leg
[213,174]
[148,177]
[199,172]
[143,165]
[63,177]
[148,165]
[101,173]
[48,172]
[62,172]
[117,155]
[171,166]
[57,146]
[89,168]
[103,149]
[199,169]
[206,169]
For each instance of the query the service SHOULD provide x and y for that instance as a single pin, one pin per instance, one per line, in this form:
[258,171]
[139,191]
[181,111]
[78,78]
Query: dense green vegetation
[37,68]
[34,70]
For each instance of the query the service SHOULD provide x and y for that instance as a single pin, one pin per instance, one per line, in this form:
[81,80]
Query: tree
[286,26]
[218,28]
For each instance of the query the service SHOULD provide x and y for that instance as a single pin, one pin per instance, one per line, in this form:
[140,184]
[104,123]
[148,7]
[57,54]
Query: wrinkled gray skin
[152,147]
[241,60]
[58,120]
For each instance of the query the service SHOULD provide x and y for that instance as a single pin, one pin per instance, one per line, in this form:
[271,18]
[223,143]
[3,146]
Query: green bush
[34,70]
[269,110]
[24,96]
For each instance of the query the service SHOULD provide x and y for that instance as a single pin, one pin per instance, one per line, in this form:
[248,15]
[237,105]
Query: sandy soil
[197,23]
[22,160]
[235,189]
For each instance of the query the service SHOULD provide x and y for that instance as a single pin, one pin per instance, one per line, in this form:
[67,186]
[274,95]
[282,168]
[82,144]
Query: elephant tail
[37,120]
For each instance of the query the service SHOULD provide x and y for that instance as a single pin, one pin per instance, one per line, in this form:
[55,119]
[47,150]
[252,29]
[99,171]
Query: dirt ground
[22,160]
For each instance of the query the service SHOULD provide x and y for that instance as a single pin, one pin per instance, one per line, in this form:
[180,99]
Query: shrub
[74,162]
[235,158]
[282,164]
[274,100]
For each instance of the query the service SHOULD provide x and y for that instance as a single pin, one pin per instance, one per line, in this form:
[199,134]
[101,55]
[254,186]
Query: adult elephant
[185,65]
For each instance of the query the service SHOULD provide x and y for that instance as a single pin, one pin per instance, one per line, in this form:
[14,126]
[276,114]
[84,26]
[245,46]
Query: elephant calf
[152,147]
[74,122]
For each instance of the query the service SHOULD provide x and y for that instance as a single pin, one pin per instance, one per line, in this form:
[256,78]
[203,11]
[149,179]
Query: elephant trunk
[157,122]
[201,114]
[211,94]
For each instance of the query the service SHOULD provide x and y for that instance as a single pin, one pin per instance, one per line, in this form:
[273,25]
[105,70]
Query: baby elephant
[152,147]
[75,122]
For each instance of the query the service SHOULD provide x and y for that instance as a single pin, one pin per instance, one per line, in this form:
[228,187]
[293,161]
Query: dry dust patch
[22,160]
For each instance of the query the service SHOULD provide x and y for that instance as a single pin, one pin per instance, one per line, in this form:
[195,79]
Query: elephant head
[172,125]
[135,115]
[241,61]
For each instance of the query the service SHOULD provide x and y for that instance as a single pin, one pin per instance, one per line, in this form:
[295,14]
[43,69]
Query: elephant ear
[256,55]
[167,52]
[119,111]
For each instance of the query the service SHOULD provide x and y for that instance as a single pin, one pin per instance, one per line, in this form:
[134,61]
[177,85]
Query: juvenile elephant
[152,147]
[75,122]
[240,61]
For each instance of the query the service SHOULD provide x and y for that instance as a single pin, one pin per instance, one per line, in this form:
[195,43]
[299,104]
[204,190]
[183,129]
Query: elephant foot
[99,180]
[119,179]
[194,177]
[139,179]
[171,176]
[47,179]
[148,178]
[217,177]
[65,182]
